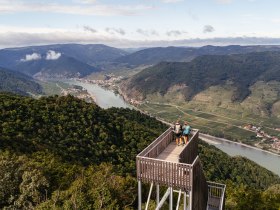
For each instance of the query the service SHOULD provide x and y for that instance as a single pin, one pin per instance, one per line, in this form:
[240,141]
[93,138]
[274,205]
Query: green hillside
[240,71]
[64,153]
[219,94]
[15,82]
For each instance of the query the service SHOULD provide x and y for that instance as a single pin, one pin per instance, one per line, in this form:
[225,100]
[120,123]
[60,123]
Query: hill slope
[155,55]
[16,82]
[240,71]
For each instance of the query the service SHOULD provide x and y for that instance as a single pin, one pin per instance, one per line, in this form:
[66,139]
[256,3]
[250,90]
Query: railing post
[191,191]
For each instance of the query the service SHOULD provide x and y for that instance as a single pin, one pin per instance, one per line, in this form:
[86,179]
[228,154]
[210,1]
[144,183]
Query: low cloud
[52,55]
[86,1]
[147,32]
[171,1]
[89,29]
[20,39]
[31,57]
[224,1]
[208,29]
[113,31]
[175,33]
[75,9]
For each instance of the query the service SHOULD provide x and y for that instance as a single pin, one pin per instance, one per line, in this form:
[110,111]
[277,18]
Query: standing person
[178,132]
[186,132]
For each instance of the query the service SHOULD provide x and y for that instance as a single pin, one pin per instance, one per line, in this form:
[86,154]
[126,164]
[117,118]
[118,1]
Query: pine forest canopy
[61,152]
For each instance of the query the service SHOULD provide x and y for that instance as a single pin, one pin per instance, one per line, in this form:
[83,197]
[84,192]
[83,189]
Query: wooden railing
[190,152]
[187,174]
[199,187]
[151,169]
[216,195]
[164,172]
[158,145]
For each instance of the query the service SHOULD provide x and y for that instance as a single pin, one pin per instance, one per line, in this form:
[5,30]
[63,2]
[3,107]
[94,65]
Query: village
[109,81]
[78,92]
[272,142]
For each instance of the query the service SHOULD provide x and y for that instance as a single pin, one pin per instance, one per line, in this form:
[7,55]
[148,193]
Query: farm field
[229,125]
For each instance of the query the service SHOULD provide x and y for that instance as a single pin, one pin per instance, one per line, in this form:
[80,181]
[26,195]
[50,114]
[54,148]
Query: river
[266,159]
[106,98]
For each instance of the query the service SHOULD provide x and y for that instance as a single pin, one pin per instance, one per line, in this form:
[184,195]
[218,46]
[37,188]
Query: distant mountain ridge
[240,71]
[18,83]
[90,53]
[61,60]
[76,60]
[151,56]
[64,67]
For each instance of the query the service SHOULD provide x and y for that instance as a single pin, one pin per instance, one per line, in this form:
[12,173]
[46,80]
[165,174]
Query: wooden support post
[171,199]
[190,199]
[185,201]
[139,195]
[157,194]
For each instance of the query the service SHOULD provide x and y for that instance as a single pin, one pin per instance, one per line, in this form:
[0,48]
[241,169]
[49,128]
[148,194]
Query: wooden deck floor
[171,153]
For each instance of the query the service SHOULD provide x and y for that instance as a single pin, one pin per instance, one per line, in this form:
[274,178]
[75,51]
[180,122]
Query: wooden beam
[178,201]
[149,196]
[167,193]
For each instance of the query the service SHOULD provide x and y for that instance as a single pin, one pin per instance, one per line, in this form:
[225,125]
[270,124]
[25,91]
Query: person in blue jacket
[186,132]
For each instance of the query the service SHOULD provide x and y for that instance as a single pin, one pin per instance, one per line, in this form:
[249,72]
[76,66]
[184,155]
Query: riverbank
[105,97]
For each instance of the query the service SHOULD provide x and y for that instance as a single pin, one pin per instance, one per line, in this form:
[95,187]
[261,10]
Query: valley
[229,121]
[237,98]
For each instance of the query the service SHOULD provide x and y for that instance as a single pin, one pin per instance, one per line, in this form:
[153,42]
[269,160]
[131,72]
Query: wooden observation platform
[177,168]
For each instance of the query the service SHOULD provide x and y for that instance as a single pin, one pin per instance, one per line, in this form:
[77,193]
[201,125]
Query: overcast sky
[136,23]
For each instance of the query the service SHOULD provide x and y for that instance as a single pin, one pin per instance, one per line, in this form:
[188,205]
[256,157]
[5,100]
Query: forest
[16,82]
[64,153]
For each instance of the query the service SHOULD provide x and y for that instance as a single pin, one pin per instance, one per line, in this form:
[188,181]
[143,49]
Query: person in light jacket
[178,132]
